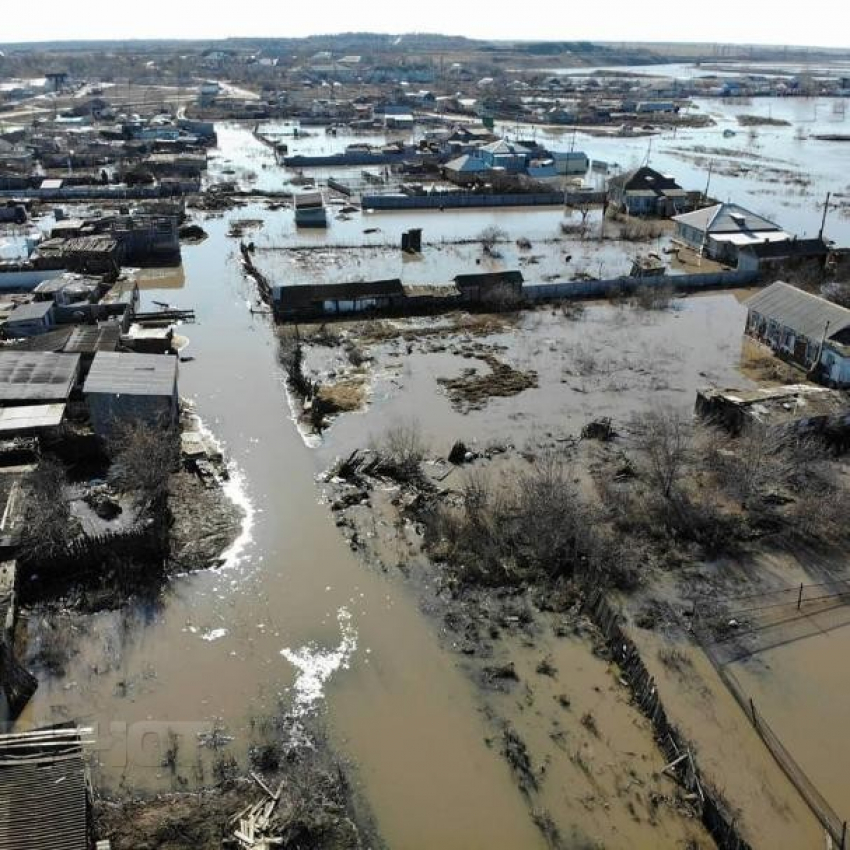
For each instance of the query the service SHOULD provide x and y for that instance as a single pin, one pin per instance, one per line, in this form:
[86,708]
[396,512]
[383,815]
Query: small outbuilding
[31,319]
[490,287]
[330,299]
[126,387]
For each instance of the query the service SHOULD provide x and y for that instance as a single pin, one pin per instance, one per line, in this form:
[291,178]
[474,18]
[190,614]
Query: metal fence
[795,597]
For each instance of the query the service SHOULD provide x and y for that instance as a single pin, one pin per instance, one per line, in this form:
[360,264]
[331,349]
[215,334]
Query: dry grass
[343,397]
[472,391]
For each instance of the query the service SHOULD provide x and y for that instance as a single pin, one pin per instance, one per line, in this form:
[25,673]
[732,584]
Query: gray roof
[726,218]
[124,373]
[31,417]
[467,164]
[503,146]
[803,312]
[37,375]
[29,312]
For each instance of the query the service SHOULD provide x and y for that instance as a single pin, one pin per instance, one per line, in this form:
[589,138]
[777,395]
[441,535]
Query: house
[36,377]
[646,192]
[45,790]
[465,170]
[509,156]
[294,302]
[803,329]
[127,387]
[570,162]
[722,230]
[31,319]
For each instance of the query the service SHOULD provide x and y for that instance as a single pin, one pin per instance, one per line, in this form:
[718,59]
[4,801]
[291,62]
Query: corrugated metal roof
[123,373]
[804,313]
[725,218]
[43,791]
[37,375]
[30,416]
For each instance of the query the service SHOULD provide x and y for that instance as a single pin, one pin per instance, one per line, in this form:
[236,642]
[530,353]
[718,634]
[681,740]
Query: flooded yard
[299,627]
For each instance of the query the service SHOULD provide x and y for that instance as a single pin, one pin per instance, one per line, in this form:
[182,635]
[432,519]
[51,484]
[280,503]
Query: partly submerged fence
[719,824]
[826,815]
[469,200]
[610,286]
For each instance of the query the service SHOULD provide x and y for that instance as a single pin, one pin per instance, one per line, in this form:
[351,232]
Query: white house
[804,329]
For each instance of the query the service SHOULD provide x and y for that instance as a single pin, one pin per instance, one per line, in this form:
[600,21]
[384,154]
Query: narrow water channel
[294,619]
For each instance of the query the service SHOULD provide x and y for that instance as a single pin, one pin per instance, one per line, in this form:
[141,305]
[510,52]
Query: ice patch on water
[315,666]
[213,634]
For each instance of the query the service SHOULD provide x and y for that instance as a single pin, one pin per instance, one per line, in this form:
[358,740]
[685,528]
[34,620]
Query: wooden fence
[713,812]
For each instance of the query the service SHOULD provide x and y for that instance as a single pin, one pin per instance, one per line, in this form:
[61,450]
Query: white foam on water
[235,490]
[213,634]
[315,666]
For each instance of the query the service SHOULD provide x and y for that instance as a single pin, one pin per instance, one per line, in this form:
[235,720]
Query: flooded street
[291,618]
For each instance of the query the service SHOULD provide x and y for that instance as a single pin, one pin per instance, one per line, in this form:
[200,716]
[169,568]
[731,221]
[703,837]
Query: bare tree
[48,526]
[143,457]
[404,447]
[491,235]
[663,437]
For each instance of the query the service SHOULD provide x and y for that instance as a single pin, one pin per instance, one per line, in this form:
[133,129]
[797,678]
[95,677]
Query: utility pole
[708,181]
[823,220]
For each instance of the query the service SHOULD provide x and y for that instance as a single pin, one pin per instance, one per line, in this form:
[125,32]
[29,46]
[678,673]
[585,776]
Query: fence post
[800,598]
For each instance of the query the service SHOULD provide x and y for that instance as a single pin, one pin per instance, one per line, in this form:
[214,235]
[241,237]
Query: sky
[728,21]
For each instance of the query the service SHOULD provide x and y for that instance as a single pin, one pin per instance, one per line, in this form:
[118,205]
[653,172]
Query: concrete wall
[593,288]
[453,201]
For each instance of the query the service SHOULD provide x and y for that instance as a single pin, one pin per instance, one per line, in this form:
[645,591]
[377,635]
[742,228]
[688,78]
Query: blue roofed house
[510,156]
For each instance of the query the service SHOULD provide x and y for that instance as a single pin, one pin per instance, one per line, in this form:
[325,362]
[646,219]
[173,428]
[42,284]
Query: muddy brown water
[295,621]
[211,651]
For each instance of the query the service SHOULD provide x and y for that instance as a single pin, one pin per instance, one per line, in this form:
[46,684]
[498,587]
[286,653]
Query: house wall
[836,367]
[689,235]
[107,409]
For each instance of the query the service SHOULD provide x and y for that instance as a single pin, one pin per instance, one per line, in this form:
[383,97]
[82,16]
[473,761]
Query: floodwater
[291,621]
[610,360]
[294,622]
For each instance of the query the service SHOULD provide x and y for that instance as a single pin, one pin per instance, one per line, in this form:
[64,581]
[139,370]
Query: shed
[338,298]
[28,377]
[31,319]
[489,286]
[123,387]
[29,419]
